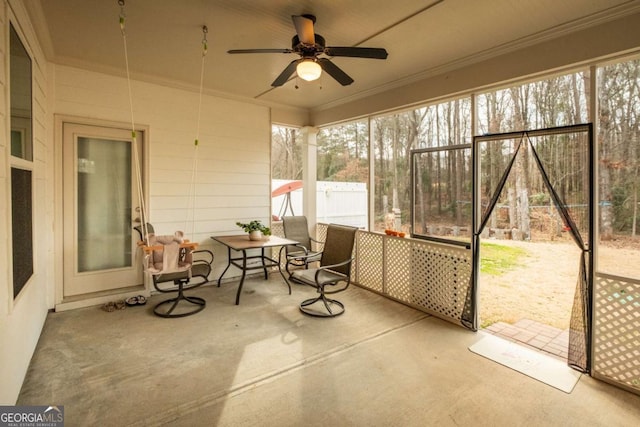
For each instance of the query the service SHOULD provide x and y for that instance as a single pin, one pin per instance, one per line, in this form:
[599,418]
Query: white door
[100,202]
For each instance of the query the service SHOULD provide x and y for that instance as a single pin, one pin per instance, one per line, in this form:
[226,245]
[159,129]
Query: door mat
[527,361]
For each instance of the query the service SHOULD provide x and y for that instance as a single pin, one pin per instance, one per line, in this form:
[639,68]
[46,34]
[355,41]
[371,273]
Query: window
[619,168]
[343,174]
[286,167]
[21,163]
[286,153]
[557,101]
[442,193]
[20,83]
[442,182]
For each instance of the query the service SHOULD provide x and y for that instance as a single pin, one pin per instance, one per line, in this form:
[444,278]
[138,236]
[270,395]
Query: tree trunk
[521,181]
[438,177]
[394,165]
[513,207]
[634,217]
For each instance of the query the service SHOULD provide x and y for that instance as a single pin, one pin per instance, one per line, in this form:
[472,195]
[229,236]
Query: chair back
[338,247]
[296,228]
[167,256]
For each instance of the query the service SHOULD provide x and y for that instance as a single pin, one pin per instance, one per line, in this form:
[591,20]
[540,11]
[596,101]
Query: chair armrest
[208,256]
[307,253]
[304,248]
[331,267]
[201,267]
[316,243]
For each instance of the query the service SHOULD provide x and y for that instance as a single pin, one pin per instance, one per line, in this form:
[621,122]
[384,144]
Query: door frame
[57,292]
[588,253]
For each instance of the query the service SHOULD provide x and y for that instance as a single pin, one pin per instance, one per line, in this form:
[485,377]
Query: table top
[241,242]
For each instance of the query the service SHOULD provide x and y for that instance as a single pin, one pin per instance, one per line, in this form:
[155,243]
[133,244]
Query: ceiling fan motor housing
[306,49]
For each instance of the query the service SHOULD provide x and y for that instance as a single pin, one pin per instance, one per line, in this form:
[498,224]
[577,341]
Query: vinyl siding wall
[231,163]
[22,318]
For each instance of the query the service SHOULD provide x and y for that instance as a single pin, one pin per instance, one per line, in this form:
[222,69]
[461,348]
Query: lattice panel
[398,268]
[321,232]
[429,276]
[369,262]
[440,278]
[616,335]
[277,229]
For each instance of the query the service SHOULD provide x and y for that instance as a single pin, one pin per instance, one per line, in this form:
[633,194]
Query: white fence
[336,202]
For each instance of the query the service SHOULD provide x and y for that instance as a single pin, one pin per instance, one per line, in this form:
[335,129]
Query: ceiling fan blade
[260,51]
[304,28]
[284,75]
[335,72]
[357,52]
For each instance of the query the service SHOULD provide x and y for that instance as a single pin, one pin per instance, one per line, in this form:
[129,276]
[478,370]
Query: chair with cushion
[334,268]
[306,251]
[186,270]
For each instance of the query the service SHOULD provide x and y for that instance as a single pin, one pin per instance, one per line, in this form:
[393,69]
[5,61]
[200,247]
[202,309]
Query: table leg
[244,273]
[264,267]
[280,269]
[228,265]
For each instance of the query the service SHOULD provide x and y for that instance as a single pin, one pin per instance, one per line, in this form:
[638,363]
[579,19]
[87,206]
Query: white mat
[534,364]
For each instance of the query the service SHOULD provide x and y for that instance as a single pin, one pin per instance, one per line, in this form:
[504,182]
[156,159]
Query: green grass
[496,259]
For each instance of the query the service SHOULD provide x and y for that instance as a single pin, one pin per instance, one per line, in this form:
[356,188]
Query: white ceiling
[164,39]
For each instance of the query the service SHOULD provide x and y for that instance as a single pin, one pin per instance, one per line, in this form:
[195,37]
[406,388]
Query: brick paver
[534,334]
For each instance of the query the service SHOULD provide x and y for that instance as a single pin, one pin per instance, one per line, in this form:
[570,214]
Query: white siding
[233,156]
[21,320]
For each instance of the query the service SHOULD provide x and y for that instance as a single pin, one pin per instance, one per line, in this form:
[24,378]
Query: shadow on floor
[265,363]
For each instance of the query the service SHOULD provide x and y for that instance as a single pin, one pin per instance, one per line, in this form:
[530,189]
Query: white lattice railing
[429,276]
[616,342]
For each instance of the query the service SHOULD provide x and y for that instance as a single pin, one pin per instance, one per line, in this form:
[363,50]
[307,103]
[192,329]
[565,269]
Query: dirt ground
[542,288]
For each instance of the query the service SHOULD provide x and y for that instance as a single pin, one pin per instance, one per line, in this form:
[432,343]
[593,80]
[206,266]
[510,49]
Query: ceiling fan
[310,46]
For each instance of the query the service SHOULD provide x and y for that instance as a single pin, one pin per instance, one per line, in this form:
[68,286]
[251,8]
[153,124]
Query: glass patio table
[241,243]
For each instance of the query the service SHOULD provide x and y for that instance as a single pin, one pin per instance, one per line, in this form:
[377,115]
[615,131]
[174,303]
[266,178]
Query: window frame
[439,239]
[25,163]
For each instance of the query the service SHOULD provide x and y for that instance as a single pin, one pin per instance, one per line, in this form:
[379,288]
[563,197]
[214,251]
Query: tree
[286,153]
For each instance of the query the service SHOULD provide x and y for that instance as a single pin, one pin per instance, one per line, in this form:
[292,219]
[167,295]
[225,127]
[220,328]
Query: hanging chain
[194,170]
[141,201]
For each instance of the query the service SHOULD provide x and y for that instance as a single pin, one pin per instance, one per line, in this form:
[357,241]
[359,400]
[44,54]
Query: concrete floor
[264,363]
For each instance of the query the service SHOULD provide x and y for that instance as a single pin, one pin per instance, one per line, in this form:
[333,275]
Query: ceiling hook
[205,43]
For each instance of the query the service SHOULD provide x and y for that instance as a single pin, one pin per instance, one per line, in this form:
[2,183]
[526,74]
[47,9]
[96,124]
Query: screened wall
[433,201]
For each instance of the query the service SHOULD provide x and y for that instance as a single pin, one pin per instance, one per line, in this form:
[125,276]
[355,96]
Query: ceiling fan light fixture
[309,70]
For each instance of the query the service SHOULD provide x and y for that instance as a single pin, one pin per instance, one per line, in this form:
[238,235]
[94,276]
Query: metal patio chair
[307,250]
[334,268]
